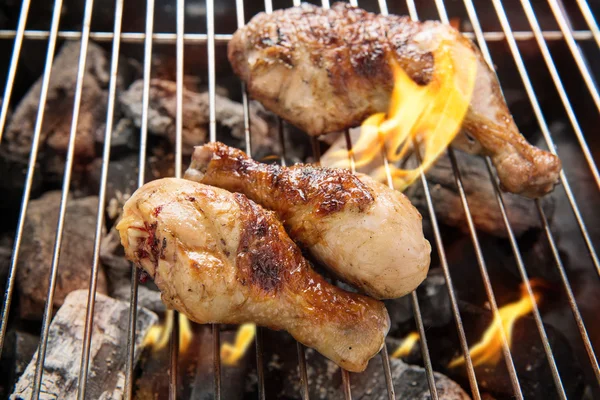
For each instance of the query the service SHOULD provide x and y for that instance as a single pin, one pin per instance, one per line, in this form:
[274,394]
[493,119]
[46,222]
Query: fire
[489,349]
[431,115]
[231,353]
[158,335]
[406,346]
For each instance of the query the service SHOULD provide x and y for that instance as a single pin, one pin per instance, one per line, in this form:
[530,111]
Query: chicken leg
[219,257]
[368,234]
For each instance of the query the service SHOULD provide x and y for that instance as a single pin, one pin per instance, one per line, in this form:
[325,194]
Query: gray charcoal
[107,359]
[59,105]
[37,248]
[433,299]
[410,381]
[162,115]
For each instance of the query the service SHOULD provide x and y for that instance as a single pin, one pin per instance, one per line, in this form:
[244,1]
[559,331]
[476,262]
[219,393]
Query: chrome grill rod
[141,180]
[91,301]
[589,18]
[535,26]
[565,280]
[174,340]
[14,60]
[10,285]
[564,25]
[544,128]
[212,90]
[531,93]
[171,38]
[516,251]
[41,356]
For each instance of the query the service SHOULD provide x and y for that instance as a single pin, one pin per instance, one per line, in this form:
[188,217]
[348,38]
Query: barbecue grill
[531,31]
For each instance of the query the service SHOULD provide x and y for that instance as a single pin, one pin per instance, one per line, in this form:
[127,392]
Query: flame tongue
[488,350]
[231,353]
[430,115]
[158,335]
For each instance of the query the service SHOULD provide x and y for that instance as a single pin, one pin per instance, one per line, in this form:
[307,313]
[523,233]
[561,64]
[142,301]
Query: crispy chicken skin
[327,70]
[219,257]
[368,234]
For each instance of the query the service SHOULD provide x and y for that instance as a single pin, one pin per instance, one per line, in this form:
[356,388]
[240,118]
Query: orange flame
[158,335]
[489,349]
[231,353]
[431,115]
[406,346]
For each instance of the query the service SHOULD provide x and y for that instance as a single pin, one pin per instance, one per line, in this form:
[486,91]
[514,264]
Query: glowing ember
[158,335]
[431,115]
[489,349]
[406,346]
[230,354]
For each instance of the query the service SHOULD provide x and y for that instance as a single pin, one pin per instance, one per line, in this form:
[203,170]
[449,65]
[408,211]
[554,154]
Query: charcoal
[480,193]
[37,248]
[13,169]
[19,348]
[433,299]
[410,381]
[6,247]
[123,139]
[107,359]
[59,105]
[162,115]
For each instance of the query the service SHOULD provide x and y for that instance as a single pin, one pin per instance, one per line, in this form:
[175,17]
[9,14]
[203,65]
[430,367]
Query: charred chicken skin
[219,257]
[327,70]
[366,233]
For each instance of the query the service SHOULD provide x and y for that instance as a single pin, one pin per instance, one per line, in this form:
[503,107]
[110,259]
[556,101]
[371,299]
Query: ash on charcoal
[479,190]
[162,115]
[37,248]
[410,381]
[107,358]
[59,106]
[118,272]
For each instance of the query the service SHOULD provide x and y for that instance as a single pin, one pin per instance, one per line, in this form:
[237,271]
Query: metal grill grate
[149,37]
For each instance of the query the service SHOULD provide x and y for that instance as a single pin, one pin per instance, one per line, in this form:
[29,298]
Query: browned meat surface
[327,70]
[219,257]
[368,234]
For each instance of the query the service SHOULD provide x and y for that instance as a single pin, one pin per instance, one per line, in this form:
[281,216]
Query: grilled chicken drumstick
[367,233]
[327,70]
[219,257]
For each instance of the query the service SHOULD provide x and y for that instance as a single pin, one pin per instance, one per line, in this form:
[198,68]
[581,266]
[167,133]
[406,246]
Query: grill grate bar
[544,128]
[589,18]
[441,8]
[572,303]
[533,22]
[514,245]
[14,60]
[41,358]
[91,301]
[141,181]
[174,340]
[514,380]
[171,38]
[30,171]
[239,4]
[210,30]
[562,19]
